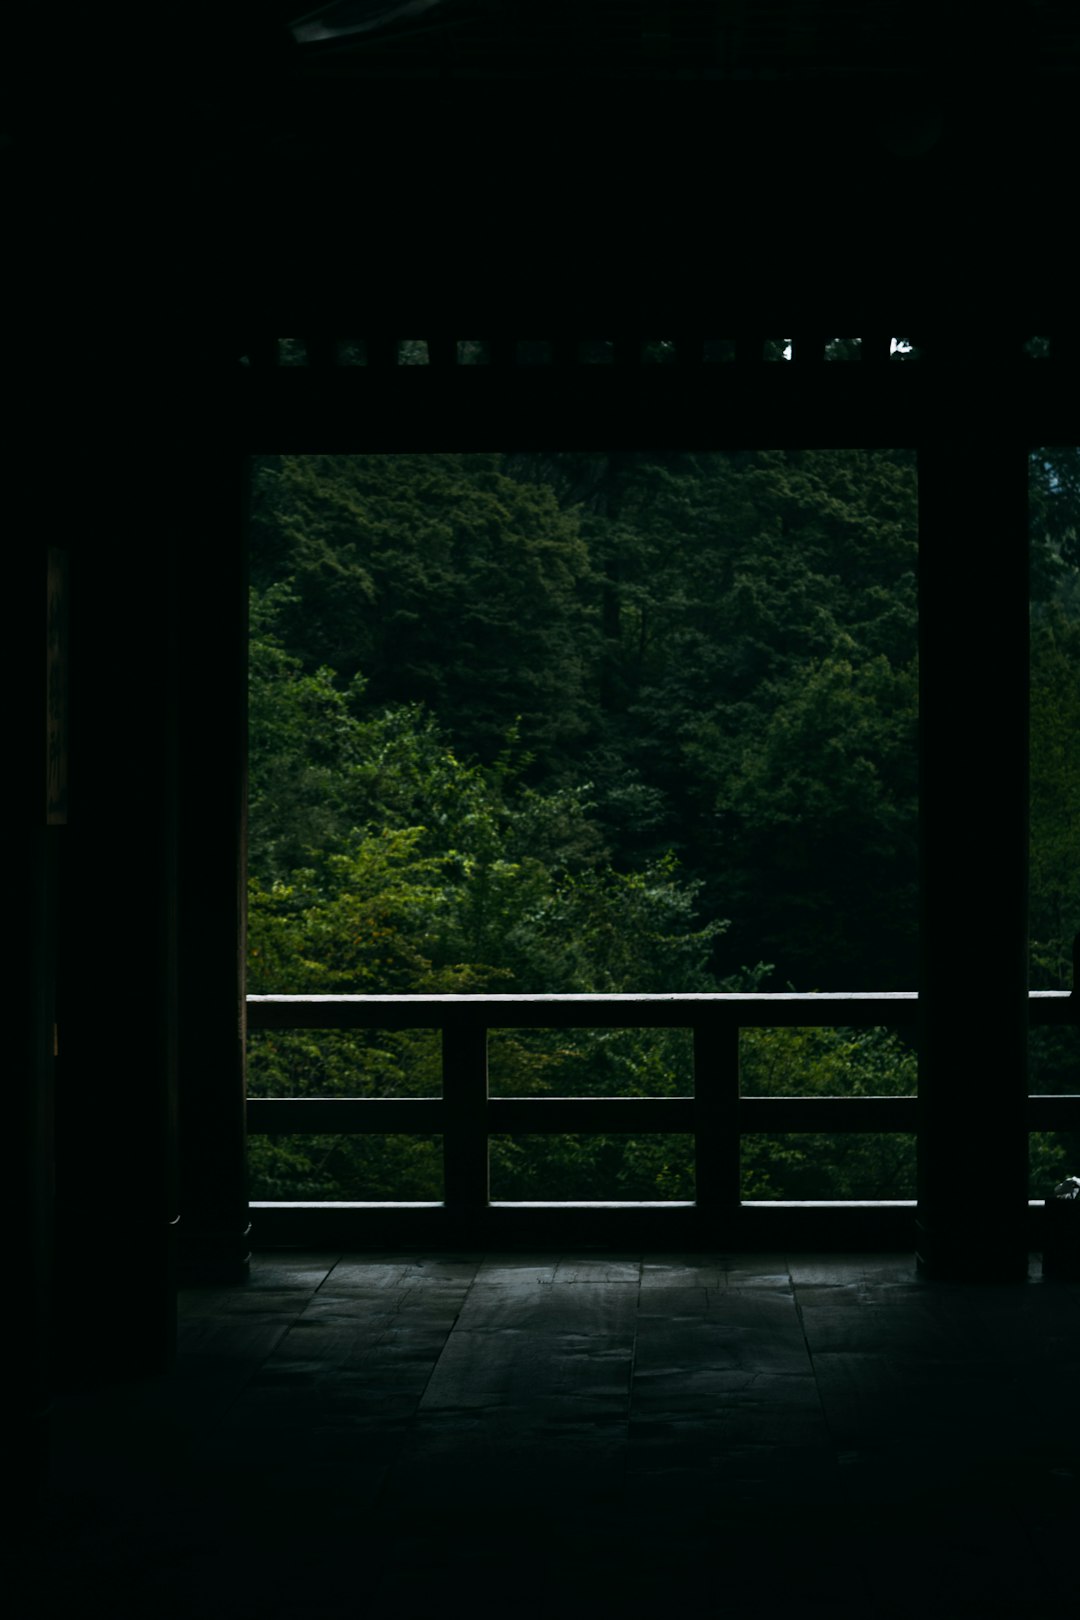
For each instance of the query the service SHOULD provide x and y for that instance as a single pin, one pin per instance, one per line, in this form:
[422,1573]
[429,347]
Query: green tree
[443,580]
[1055,797]
[590,707]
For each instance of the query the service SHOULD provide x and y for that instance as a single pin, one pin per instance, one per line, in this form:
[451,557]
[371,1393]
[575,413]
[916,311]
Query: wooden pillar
[213,871]
[973,639]
[116,1205]
[35,670]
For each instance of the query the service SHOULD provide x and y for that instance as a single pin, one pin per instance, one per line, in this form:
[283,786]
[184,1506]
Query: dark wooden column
[35,669]
[116,985]
[973,631]
[213,869]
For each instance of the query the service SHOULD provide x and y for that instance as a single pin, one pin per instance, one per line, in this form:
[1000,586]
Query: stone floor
[581,1435]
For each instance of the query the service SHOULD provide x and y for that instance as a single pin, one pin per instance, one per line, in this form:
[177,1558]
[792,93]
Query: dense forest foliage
[603,722]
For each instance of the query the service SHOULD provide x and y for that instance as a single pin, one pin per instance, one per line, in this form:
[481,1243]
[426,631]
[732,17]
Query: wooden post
[116,981]
[35,669]
[465,1091]
[213,872]
[716,1115]
[502,352]
[973,648]
[689,351]
[382,352]
[748,349]
[808,350]
[322,352]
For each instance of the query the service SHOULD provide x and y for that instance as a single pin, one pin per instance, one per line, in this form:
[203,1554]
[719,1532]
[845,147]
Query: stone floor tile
[852,1292]
[599,1269]
[555,1308]
[592,1434]
[360,1304]
[830,1328]
[674,1302]
[535,1377]
[243,1302]
[210,1345]
[768,1271]
[715,1342]
[517,1271]
[364,1274]
[291,1268]
[674,1272]
[444,1268]
[825,1270]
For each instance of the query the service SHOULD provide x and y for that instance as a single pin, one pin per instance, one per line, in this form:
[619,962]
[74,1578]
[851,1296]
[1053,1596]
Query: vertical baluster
[502,351]
[689,351]
[716,1099]
[465,1090]
[262,351]
[533,352]
[748,349]
[808,350]
[874,350]
[322,352]
[382,352]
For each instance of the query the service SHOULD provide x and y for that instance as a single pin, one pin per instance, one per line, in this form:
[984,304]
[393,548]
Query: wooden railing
[717,1115]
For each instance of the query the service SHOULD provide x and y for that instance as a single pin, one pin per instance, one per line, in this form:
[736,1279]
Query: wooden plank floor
[581,1435]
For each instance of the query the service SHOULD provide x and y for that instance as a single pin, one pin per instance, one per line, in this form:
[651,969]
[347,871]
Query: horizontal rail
[762,1010]
[421,1116]
[501,1115]
[319,1116]
[828,1115]
[346,1116]
[1053,1007]
[570,1115]
[466,1117]
[1050,1112]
